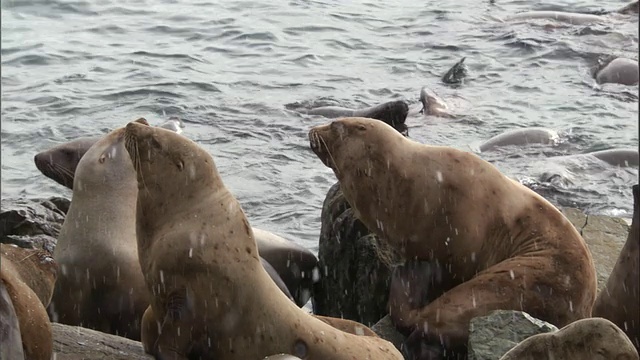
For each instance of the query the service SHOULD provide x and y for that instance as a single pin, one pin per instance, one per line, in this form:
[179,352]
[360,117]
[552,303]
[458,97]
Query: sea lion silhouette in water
[210,297]
[592,338]
[575,18]
[618,300]
[393,113]
[27,280]
[456,74]
[293,264]
[498,244]
[433,105]
[616,70]
[532,135]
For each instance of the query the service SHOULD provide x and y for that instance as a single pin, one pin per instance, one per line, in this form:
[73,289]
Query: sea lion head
[431,102]
[60,162]
[167,162]
[353,144]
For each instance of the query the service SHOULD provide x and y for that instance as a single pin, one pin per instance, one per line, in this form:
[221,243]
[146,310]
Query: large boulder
[354,282]
[493,335]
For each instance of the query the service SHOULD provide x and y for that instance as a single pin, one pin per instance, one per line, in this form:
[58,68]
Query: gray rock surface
[32,223]
[76,343]
[386,330]
[493,335]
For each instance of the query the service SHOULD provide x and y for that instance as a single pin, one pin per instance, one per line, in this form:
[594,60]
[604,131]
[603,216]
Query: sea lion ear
[142,121]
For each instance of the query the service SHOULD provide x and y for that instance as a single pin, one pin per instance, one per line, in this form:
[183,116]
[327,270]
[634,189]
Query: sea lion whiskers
[326,147]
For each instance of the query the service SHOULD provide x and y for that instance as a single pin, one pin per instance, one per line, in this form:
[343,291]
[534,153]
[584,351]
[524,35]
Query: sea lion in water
[273,274]
[210,296]
[294,264]
[28,277]
[393,113]
[618,300]
[532,135]
[100,285]
[593,338]
[433,105]
[617,70]
[502,245]
[618,157]
[59,163]
[456,74]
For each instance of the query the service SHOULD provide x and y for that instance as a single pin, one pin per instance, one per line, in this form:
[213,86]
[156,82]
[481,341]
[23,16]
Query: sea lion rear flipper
[11,340]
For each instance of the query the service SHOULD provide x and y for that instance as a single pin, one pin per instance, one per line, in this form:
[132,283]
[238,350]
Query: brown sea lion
[619,300]
[100,285]
[211,298]
[592,339]
[292,264]
[28,277]
[501,245]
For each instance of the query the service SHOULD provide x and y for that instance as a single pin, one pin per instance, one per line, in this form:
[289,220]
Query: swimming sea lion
[502,245]
[393,113]
[559,16]
[210,296]
[591,338]
[618,157]
[456,74]
[616,70]
[59,163]
[100,285]
[433,105]
[273,274]
[532,135]
[28,277]
[618,300]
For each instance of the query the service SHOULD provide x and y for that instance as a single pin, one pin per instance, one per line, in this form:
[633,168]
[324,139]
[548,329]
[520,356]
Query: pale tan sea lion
[592,339]
[211,298]
[499,244]
[619,300]
[293,264]
[346,325]
[28,276]
[100,285]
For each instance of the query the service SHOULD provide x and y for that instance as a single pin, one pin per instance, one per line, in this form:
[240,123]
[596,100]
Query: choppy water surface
[229,68]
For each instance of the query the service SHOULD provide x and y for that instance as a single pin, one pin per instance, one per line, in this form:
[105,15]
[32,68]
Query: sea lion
[616,70]
[348,326]
[100,285]
[273,274]
[502,245]
[11,340]
[532,135]
[293,263]
[281,357]
[618,300]
[28,277]
[591,338]
[210,296]
[393,113]
[433,105]
[456,74]
[296,265]
[59,163]
[559,16]
[618,157]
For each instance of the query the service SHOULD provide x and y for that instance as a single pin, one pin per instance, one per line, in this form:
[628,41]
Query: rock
[386,330]
[605,236]
[354,283]
[493,335]
[32,223]
[77,343]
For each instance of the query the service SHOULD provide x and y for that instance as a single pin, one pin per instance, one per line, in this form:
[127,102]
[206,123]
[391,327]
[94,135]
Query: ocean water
[234,70]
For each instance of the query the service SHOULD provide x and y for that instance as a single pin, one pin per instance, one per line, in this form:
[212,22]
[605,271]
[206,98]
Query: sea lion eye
[362,127]
[180,165]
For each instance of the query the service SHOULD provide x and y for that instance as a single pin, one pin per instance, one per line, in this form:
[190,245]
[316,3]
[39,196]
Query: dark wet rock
[32,223]
[77,343]
[386,330]
[354,281]
[493,335]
